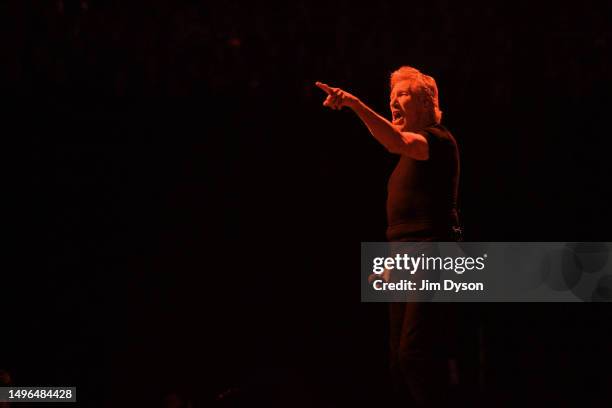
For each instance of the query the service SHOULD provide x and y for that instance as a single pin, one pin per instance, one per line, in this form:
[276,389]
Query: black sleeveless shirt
[422,194]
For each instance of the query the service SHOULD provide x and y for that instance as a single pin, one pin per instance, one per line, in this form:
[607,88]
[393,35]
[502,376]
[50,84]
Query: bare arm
[405,143]
[395,141]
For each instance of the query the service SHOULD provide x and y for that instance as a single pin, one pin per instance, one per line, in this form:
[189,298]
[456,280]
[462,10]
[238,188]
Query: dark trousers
[421,340]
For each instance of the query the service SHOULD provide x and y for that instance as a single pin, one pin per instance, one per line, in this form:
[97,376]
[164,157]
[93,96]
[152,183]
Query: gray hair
[422,85]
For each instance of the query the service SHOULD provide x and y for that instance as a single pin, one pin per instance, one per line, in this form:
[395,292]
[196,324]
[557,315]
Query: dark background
[189,214]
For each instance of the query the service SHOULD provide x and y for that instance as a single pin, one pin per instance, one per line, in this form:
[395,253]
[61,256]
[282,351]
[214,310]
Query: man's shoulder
[439,134]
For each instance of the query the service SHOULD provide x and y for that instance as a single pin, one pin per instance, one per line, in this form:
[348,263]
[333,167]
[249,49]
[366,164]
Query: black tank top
[422,194]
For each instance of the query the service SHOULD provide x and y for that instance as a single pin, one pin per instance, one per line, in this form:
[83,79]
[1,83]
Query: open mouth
[397,115]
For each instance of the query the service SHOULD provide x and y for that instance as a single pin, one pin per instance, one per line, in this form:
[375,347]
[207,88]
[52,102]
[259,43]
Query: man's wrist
[354,103]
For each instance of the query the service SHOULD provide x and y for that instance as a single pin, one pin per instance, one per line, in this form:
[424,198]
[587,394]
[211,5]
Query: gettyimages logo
[488,271]
[411,264]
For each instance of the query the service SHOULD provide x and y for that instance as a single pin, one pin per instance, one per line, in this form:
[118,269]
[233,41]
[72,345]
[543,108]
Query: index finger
[325,87]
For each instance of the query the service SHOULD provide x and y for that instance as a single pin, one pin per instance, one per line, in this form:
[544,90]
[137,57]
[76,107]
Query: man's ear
[427,104]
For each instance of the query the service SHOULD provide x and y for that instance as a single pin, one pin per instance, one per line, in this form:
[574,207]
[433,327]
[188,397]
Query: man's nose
[394,103]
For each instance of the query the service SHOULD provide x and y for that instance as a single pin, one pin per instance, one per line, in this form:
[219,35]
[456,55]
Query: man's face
[406,107]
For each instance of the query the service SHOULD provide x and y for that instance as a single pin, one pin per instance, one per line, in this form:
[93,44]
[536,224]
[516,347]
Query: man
[421,207]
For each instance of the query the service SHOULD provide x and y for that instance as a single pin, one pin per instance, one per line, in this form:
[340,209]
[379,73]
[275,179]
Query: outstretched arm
[393,139]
